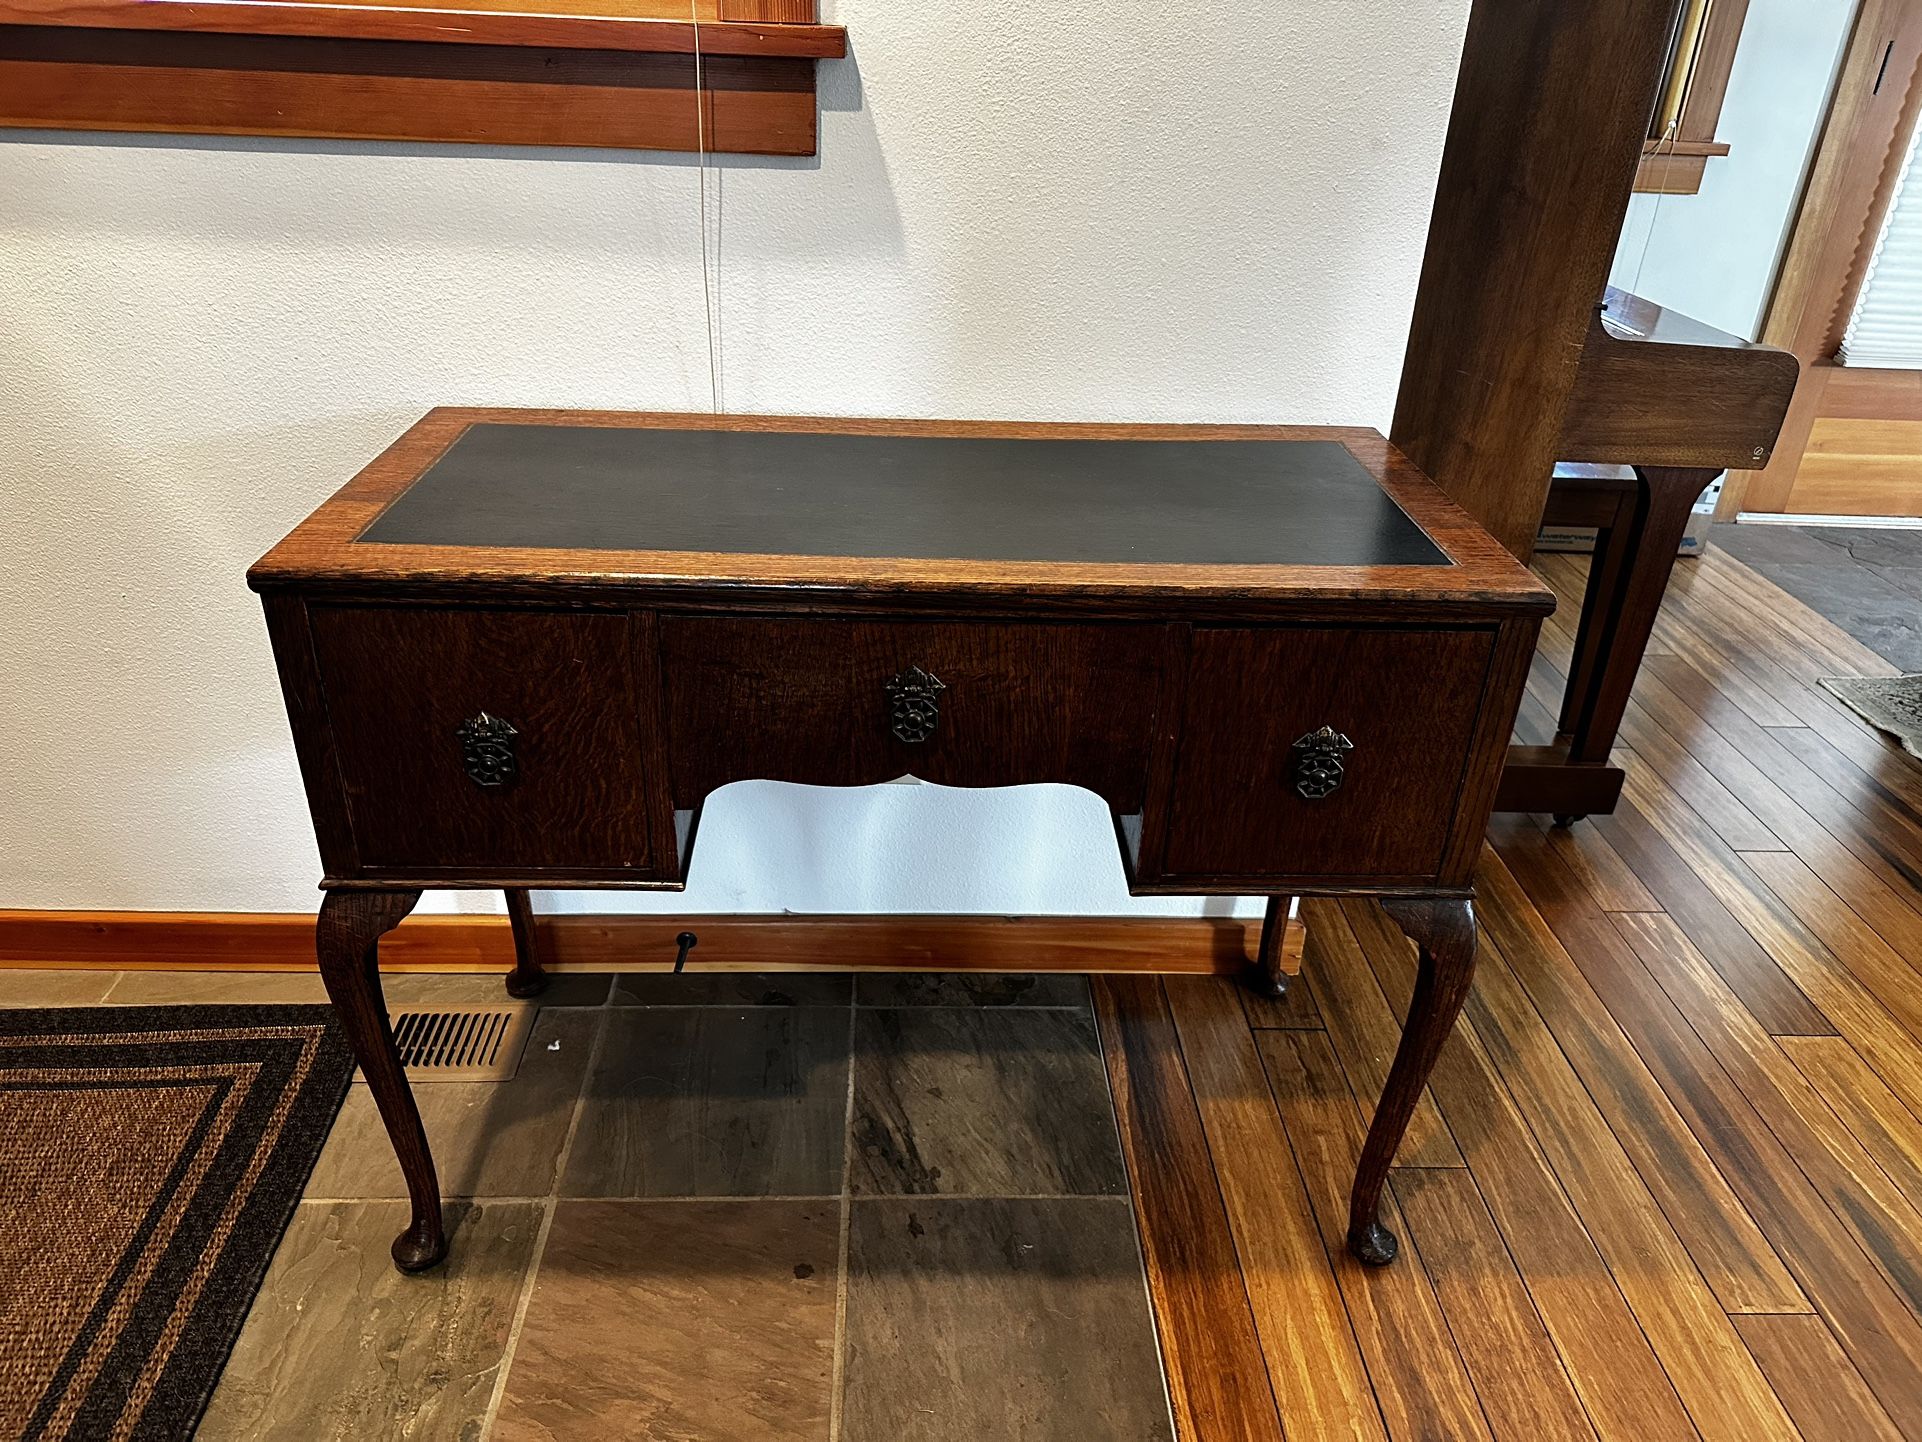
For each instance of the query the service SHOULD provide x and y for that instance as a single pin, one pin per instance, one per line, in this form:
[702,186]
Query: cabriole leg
[527,978]
[348,940]
[1444,931]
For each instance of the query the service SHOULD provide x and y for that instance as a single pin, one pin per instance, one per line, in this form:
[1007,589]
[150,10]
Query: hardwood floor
[1668,1183]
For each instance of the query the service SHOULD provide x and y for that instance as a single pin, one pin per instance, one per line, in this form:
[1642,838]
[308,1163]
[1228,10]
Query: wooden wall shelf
[1675,167]
[592,76]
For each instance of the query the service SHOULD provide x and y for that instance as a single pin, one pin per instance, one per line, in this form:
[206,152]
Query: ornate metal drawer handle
[487,750]
[1318,763]
[914,708]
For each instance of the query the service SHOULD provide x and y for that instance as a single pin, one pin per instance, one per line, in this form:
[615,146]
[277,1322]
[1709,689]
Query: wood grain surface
[588,26]
[543,90]
[641,682]
[1655,388]
[1671,1185]
[321,551]
[1667,1183]
[1059,703]
[564,683]
[1235,795]
[212,942]
[1535,179]
[1210,1348]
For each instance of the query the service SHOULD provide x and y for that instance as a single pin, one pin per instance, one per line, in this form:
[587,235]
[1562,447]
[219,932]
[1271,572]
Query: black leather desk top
[799,494]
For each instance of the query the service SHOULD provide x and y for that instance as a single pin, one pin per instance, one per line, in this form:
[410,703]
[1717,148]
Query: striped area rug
[150,1158]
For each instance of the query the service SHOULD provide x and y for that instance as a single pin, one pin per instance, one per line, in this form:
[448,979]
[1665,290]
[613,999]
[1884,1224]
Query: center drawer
[836,702]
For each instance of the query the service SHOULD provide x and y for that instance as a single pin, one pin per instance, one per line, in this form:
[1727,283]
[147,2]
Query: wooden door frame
[1878,92]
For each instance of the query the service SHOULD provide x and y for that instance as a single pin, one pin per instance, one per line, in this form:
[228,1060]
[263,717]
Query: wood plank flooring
[1668,1180]
[1666,1184]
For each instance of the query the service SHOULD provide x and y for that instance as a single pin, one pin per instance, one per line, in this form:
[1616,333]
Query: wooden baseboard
[273,941]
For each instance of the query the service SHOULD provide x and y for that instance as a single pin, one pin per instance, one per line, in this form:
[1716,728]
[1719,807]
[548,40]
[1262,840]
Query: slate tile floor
[717,1208]
[1867,580]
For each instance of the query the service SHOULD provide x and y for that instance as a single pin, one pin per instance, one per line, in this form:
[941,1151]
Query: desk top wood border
[324,553]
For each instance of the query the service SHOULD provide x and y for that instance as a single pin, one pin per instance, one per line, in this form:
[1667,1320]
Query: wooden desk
[522,648]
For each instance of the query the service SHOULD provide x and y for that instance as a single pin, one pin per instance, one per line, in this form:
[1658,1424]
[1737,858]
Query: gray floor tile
[961,1101]
[679,1320]
[1867,580]
[1907,578]
[1847,587]
[498,1139]
[339,1345]
[977,1319]
[732,988]
[976,988]
[1872,545]
[1762,544]
[712,1102]
[1881,616]
[215,988]
[463,988]
[24,987]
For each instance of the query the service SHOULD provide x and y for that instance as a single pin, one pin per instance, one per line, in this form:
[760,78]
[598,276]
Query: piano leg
[1639,580]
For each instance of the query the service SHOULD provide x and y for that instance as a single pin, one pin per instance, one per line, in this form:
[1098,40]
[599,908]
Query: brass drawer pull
[487,750]
[914,705]
[1318,762]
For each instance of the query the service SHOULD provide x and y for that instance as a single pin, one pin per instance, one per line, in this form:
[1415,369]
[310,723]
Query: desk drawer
[1249,801]
[428,789]
[838,702]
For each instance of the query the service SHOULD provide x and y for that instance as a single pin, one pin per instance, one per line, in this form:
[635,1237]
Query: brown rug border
[1864,695]
[193,1369]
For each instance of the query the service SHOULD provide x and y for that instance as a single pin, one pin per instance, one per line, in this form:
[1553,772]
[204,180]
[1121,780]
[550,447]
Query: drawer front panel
[1375,796]
[848,703]
[553,773]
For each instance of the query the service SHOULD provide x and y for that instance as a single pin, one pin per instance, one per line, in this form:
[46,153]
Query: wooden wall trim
[284,941]
[1714,63]
[1674,170]
[500,74]
[430,25]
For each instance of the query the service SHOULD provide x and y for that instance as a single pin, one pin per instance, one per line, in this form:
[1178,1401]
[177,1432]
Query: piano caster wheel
[1564,820]
[1374,1244]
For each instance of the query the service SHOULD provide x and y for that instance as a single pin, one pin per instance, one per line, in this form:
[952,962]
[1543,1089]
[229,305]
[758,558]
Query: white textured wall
[1129,211]
[1714,255]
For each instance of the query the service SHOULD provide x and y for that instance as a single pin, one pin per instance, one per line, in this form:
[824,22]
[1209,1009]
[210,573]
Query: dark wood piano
[1532,390]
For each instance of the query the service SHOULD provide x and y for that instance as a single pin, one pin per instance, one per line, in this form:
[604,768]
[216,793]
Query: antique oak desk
[522,648]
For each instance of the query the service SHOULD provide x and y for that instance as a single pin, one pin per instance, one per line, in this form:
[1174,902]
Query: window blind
[1886,329]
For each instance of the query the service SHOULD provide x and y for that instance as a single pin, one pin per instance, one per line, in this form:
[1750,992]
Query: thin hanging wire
[1667,158]
[1670,138]
[709,281]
